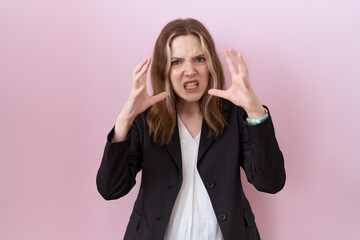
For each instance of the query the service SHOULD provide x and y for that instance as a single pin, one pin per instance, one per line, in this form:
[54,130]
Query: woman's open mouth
[191,86]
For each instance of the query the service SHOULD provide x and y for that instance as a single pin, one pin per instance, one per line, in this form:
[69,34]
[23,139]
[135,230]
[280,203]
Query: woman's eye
[177,62]
[200,60]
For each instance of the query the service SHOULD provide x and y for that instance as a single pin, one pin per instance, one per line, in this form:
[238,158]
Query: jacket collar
[174,147]
[205,142]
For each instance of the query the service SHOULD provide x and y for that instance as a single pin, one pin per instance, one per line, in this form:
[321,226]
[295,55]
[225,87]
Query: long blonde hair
[161,118]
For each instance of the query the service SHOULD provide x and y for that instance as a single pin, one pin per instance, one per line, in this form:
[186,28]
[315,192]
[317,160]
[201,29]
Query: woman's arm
[120,163]
[261,158]
[122,158]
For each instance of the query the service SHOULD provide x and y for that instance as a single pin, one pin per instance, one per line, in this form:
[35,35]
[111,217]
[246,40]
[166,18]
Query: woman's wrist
[256,113]
[124,119]
[256,121]
[122,126]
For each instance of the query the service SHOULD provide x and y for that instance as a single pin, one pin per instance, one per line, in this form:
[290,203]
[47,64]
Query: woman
[190,139]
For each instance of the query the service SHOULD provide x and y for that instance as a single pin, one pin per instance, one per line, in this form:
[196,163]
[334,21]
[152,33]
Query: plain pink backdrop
[65,72]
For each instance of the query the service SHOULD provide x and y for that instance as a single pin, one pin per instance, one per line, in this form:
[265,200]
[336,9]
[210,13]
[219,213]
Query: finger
[140,89]
[236,55]
[144,69]
[143,72]
[159,97]
[138,67]
[230,62]
[140,77]
[218,93]
[240,59]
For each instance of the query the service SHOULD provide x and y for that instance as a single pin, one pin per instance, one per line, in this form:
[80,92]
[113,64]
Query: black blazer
[254,148]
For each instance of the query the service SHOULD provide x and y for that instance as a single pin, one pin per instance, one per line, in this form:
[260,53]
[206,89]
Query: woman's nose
[189,68]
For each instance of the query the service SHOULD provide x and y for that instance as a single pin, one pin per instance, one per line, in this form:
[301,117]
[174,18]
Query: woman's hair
[161,117]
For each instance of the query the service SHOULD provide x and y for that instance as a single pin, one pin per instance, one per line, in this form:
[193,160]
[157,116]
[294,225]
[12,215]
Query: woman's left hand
[240,92]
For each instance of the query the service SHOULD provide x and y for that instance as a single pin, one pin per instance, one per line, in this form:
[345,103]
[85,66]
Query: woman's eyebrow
[197,56]
[200,55]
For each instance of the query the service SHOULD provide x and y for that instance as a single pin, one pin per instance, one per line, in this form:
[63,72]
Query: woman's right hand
[138,101]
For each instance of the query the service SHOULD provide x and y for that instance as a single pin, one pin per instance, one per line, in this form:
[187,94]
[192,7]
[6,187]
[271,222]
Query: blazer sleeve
[262,160]
[120,163]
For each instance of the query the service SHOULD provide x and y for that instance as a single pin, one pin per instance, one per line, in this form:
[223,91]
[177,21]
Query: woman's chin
[190,99]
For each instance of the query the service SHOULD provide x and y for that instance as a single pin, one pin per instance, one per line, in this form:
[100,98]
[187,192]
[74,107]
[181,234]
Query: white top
[192,217]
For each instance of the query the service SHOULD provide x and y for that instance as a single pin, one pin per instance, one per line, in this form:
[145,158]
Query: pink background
[65,72]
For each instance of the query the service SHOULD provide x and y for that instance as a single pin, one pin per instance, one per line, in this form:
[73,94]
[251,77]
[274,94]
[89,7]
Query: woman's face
[189,74]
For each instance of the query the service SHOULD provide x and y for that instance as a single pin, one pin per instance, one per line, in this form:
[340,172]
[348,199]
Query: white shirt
[192,217]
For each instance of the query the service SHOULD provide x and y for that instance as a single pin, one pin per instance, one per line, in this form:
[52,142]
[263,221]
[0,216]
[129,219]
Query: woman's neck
[188,108]
[191,116]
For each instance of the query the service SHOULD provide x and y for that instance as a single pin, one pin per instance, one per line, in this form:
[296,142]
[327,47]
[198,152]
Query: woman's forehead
[186,46]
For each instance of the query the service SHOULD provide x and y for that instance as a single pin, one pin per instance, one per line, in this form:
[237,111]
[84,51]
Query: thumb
[159,97]
[218,93]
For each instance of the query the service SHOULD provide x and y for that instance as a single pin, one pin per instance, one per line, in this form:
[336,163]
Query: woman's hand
[138,101]
[240,92]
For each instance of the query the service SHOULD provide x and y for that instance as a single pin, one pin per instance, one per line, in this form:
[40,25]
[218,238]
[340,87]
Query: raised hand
[240,91]
[139,100]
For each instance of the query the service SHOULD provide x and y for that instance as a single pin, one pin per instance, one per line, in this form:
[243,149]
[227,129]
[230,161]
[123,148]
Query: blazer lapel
[205,142]
[174,148]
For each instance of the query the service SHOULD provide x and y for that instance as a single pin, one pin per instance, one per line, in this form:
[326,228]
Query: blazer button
[211,185]
[222,216]
[172,188]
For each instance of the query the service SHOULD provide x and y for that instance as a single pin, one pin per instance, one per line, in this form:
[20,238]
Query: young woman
[190,139]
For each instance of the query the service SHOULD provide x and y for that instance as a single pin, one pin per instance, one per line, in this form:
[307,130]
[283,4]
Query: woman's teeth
[191,85]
